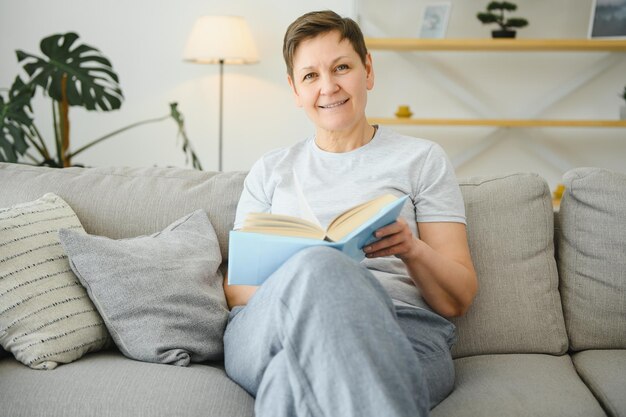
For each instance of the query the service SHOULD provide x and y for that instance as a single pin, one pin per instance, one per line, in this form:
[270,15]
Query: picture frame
[434,22]
[608,19]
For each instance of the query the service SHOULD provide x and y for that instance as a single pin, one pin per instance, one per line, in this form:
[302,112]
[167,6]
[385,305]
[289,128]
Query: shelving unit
[485,45]
[497,45]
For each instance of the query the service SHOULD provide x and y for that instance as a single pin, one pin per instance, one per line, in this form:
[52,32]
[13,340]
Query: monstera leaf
[15,121]
[85,73]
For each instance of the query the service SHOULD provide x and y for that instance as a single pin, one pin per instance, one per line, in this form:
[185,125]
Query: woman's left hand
[395,239]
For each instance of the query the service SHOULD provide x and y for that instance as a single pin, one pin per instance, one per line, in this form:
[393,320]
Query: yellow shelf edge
[497,122]
[416,44]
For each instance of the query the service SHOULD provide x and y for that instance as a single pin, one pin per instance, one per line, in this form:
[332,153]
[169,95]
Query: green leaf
[508,6]
[187,147]
[91,81]
[487,17]
[501,5]
[516,23]
[494,5]
[15,121]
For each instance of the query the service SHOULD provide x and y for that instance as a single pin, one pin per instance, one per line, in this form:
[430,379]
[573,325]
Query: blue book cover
[253,257]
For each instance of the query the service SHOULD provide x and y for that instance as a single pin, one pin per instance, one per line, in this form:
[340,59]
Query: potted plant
[495,14]
[70,74]
[622,110]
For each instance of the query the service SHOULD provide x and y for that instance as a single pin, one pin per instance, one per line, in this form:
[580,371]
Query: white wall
[144,40]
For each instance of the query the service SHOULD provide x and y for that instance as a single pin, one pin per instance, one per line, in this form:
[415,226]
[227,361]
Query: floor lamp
[220,40]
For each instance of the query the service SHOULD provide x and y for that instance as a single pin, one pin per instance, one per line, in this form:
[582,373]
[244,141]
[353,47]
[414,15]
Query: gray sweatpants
[321,337]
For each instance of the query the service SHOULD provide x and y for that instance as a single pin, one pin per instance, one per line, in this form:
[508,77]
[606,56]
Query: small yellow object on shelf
[404,111]
[557,194]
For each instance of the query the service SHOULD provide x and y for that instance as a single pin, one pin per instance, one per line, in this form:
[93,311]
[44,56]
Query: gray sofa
[546,335]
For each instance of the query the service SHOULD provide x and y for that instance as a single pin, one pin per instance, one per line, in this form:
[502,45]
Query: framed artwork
[608,19]
[435,20]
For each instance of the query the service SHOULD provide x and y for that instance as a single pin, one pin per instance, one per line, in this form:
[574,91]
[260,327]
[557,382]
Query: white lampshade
[217,38]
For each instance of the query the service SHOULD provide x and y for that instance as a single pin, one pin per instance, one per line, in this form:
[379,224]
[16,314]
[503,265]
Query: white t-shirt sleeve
[438,196]
[254,197]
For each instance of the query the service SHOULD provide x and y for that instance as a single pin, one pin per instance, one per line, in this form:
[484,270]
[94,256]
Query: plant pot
[622,113]
[503,34]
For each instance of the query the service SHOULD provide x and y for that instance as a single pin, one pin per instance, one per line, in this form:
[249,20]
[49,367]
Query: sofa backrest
[591,237]
[510,232]
[128,202]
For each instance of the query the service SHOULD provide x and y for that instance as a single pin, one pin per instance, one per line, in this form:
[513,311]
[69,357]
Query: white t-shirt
[334,182]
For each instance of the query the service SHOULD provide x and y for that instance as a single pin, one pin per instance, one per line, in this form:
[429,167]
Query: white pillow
[46,316]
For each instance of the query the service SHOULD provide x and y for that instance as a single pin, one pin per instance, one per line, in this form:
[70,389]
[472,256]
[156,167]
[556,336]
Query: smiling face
[330,83]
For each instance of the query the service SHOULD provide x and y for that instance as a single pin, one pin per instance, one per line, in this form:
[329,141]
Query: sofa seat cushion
[106,384]
[518,386]
[604,372]
[510,228]
[592,265]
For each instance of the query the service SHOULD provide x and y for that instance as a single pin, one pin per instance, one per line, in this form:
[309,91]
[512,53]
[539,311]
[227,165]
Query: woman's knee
[322,266]
[319,255]
[326,274]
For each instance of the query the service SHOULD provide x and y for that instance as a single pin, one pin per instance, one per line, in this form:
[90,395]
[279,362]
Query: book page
[349,220]
[286,231]
[280,224]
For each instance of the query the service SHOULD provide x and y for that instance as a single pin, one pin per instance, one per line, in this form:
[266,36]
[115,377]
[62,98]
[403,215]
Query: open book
[339,227]
[267,240]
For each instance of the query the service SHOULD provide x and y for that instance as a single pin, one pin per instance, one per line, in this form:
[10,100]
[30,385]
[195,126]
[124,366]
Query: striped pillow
[46,317]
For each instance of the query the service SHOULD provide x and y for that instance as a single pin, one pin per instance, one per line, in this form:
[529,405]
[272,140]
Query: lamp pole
[219,146]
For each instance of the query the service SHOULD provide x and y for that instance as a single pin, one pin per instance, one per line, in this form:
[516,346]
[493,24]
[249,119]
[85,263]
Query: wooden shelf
[513,45]
[497,122]
[495,45]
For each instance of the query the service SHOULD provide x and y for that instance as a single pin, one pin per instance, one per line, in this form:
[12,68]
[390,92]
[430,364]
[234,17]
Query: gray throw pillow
[160,296]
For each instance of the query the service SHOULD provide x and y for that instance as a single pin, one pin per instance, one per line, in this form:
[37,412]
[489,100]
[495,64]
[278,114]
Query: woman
[325,336]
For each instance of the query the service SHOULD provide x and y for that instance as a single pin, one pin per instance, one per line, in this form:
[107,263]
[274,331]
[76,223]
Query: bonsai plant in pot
[70,74]
[495,14]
